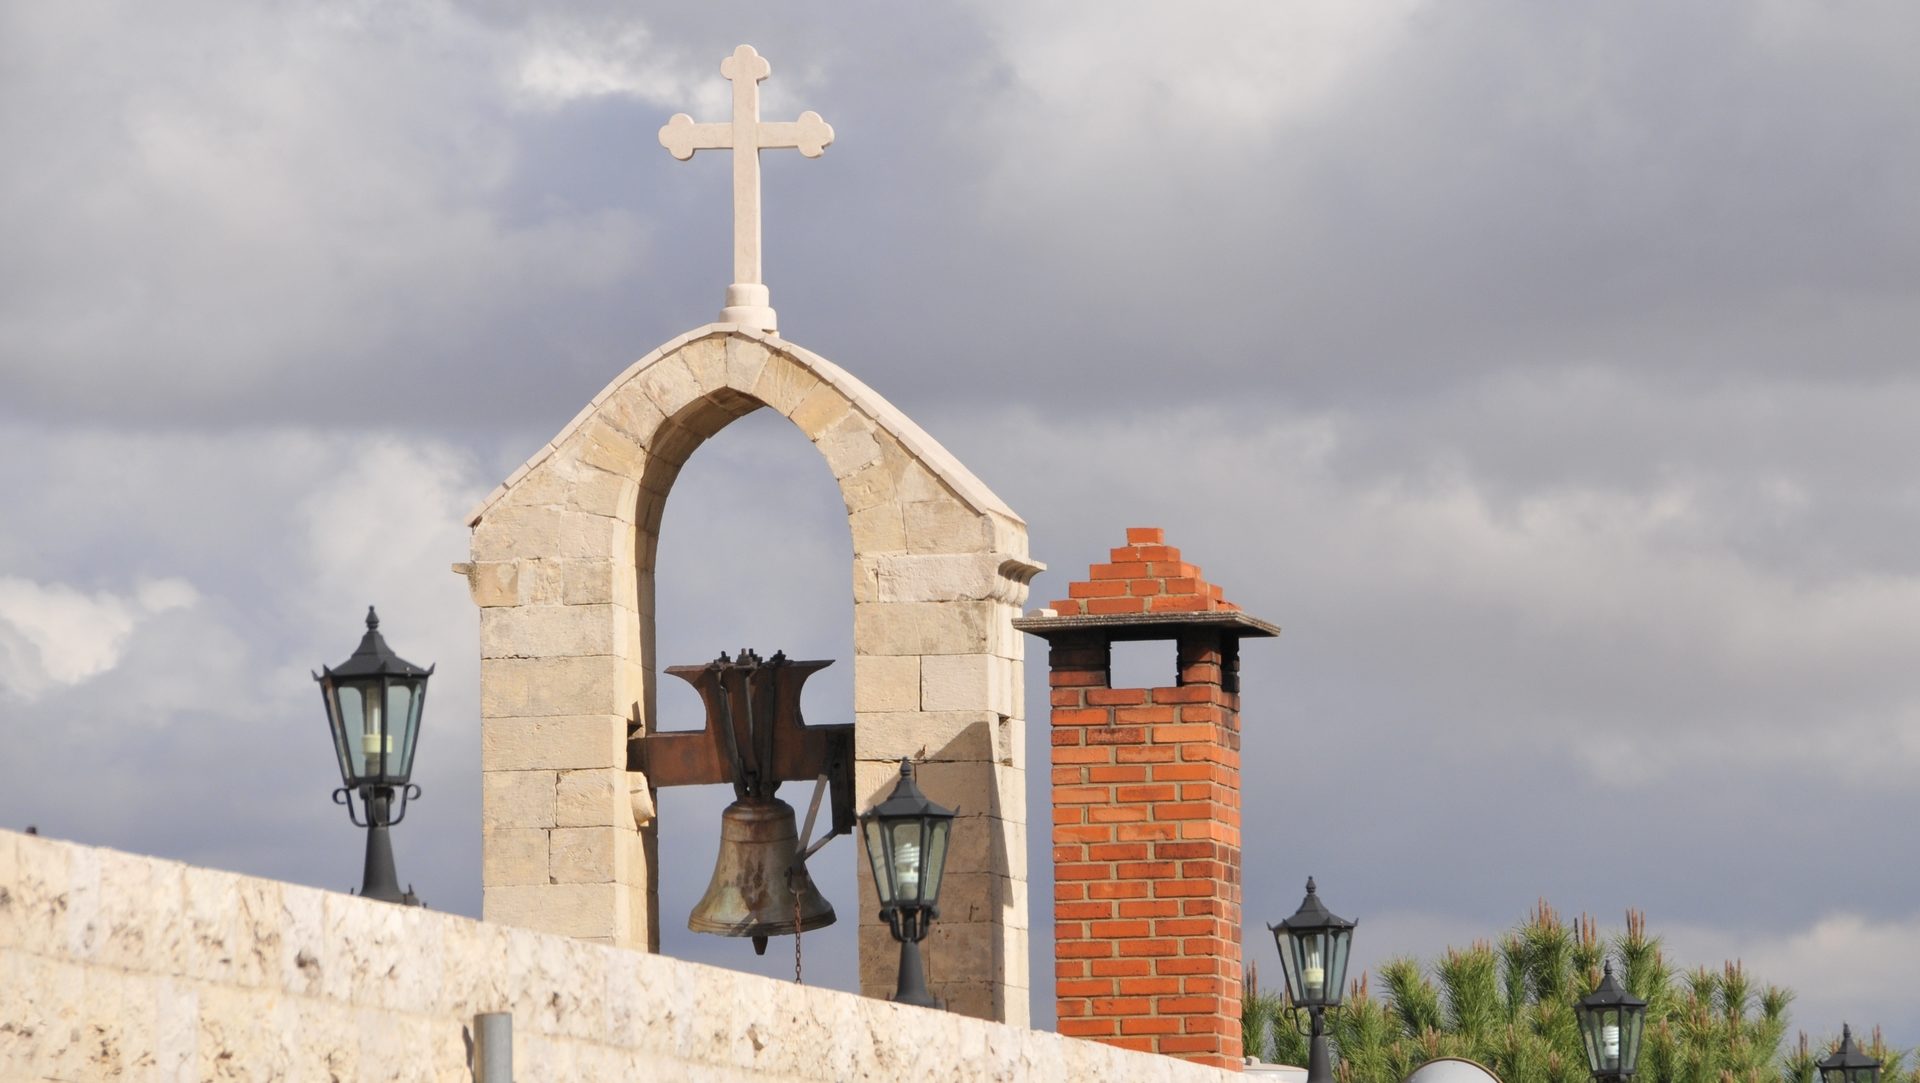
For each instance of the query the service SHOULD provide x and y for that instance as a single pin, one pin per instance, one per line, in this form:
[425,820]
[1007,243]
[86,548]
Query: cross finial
[746,134]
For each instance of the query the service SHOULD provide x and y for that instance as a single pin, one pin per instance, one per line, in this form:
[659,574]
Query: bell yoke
[755,739]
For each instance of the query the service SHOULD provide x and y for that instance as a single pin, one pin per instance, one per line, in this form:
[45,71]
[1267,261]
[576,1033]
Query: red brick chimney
[1146,808]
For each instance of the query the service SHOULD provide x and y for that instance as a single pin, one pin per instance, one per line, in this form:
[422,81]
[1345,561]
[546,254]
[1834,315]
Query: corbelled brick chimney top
[1146,807]
[1145,576]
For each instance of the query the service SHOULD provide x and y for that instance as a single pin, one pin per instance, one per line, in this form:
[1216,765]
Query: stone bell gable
[563,570]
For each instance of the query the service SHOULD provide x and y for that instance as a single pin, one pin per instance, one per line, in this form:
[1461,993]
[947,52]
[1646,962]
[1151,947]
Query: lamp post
[1313,953]
[1611,1020]
[906,838]
[373,708]
[1848,1064]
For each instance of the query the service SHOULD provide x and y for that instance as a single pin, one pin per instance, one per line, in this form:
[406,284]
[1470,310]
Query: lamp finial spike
[373,620]
[1310,888]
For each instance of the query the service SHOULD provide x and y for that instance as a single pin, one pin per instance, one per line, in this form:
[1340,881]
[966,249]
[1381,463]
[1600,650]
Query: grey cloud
[1543,372]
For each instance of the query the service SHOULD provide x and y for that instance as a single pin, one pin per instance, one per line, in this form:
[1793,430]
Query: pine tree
[1510,1007]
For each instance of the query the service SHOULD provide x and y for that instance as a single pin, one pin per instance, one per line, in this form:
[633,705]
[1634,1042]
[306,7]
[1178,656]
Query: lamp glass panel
[878,854]
[936,865]
[1289,960]
[1337,941]
[402,715]
[1590,1038]
[1607,1022]
[330,693]
[1631,1024]
[353,724]
[908,851]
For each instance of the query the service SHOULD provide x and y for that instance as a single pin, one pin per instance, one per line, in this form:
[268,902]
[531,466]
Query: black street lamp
[1848,1064]
[1313,953]
[1611,1020]
[906,837]
[373,707]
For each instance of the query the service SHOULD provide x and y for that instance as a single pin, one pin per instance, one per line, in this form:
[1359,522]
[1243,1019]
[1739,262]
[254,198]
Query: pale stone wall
[120,967]
[563,567]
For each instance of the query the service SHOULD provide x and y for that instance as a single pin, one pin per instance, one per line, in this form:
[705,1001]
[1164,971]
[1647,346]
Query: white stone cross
[746,134]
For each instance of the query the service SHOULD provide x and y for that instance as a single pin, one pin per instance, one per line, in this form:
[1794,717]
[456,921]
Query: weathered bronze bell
[751,893]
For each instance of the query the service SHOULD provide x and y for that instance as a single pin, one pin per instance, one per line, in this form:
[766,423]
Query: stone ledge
[321,985]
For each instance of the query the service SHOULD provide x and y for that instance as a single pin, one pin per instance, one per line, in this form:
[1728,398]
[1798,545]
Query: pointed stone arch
[563,571]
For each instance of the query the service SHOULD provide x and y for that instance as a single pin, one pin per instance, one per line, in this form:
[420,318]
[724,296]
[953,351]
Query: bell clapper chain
[798,979]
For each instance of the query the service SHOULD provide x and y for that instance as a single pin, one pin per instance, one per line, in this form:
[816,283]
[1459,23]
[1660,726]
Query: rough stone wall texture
[1146,835]
[120,967]
[563,567]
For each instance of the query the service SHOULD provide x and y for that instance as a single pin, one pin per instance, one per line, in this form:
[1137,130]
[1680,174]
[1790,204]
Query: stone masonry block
[878,483]
[784,385]
[849,445]
[966,736]
[615,494]
[579,581]
[887,683]
[494,583]
[823,408]
[226,919]
[132,922]
[934,577]
[922,627]
[303,940]
[562,742]
[587,582]
[35,873]
[511,531]
[963,682]
[917,484]
[565,909]
[669,384]
[706,359]
[746,359]
[630,410]
[554,631]
[517,798]
[545,483]
[524,687]
[977,898]
[971,951]
[944,526]
[976,789]
[878,529]
[594,798]
[588,855]
[514,855]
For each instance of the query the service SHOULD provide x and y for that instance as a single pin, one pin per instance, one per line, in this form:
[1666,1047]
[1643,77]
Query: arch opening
[753,552]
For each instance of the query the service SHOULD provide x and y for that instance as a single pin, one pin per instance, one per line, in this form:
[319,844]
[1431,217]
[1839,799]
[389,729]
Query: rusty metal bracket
[755,737]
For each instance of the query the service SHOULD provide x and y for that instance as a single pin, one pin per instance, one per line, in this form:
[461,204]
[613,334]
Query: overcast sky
[1545,370]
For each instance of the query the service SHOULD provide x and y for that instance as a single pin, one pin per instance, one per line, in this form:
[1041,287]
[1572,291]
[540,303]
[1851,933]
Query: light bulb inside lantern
[1610,1043]
[1315,975]
[906,869]
[373,742]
